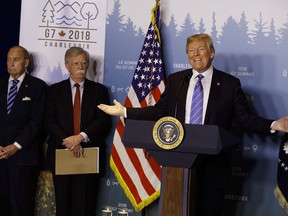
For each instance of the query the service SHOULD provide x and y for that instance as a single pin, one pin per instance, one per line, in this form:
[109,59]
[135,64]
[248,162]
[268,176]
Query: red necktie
[76,110]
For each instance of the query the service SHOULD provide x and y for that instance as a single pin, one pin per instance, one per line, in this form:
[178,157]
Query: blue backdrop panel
[253,48]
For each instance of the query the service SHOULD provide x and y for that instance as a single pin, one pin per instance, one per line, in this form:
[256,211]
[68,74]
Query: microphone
[186,78]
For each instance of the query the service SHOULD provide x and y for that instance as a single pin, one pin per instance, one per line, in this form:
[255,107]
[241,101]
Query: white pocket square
[26,99]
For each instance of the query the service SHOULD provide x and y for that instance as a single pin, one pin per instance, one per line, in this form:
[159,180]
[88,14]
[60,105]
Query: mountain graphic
[71,11]
[59,6]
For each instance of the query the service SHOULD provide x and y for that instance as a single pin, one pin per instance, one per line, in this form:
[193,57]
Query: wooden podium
[176,163]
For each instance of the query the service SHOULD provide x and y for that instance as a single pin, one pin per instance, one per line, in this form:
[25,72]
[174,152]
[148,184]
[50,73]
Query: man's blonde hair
[200,37]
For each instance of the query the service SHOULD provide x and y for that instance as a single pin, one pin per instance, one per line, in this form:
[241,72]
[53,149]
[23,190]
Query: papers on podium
[66,163]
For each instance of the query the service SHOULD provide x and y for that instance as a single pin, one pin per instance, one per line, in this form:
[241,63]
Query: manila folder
[66,163]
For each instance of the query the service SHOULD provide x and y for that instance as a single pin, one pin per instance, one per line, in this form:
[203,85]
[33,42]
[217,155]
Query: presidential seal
[168,133]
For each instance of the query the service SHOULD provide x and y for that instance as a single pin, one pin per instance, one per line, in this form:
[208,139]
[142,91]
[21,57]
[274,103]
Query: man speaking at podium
[204,95]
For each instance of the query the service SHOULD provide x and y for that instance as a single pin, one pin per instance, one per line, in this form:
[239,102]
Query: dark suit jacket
[24,122]
[59,116]
[227,103]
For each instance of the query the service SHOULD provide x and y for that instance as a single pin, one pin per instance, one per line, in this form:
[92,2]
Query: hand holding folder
[66,163]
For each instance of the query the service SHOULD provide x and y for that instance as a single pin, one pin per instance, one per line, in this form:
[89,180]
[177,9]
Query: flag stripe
[156,174]
[127,166]
[132,153]
[122,168]
[123,177]
[133,166]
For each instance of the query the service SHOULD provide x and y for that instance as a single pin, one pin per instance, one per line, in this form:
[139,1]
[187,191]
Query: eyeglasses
[77,64]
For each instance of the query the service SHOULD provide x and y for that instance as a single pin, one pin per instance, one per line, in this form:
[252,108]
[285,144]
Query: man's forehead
[15,52]
[80,56]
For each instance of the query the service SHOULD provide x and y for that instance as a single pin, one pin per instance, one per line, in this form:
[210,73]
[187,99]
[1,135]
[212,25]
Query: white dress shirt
[206,83]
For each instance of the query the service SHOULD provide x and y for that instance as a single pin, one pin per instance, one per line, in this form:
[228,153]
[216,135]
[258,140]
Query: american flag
[139,175]
[281,189]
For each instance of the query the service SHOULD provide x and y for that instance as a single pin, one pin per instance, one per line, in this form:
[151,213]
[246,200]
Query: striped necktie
[197,102]
[11,95]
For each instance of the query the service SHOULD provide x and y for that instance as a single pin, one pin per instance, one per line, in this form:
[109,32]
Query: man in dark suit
[75,194]
[224,104]
[20,133]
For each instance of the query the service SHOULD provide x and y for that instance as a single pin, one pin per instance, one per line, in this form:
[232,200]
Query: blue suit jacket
[24,122]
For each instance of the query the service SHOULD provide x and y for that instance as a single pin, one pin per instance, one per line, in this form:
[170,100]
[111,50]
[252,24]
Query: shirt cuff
[17,145]
[86,138]
[272,131]
[125,112]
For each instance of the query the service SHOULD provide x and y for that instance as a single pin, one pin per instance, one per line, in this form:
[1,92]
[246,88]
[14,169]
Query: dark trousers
[212,177]
[18,186]
[76,194]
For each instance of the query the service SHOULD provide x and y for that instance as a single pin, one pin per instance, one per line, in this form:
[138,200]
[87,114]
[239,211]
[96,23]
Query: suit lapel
[67,102]
[213,95]
[85,100]
[182,96]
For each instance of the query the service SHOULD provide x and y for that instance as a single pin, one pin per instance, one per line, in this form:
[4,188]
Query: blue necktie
[11,95]
[197,102]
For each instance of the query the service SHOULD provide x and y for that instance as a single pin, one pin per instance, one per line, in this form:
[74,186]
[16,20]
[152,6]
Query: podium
[198,139]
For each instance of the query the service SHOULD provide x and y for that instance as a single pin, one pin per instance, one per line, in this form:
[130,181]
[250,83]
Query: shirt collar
[207,74]
[72,83]
[21,78]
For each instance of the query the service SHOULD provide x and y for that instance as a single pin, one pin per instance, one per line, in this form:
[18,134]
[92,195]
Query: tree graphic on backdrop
[124,32]
[89,11]
[273,38]
[214,31]
[243,32]
[169,42]
[48,13]
[283,41]
[228,30]
[258,35]
[188,27]
[201,26]
[129,30]
[174,37]
[284,33]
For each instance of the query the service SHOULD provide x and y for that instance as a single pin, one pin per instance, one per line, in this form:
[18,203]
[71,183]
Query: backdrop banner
[251,42]
[49,27]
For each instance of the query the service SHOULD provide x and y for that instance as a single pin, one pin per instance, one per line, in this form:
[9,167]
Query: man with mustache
[75,194]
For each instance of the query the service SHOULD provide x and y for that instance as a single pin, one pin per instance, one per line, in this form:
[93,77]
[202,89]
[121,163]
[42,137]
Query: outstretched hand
[115,110]
[281,124]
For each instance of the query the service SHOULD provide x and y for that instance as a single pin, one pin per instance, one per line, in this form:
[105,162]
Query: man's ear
[212,55]
[26,62]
